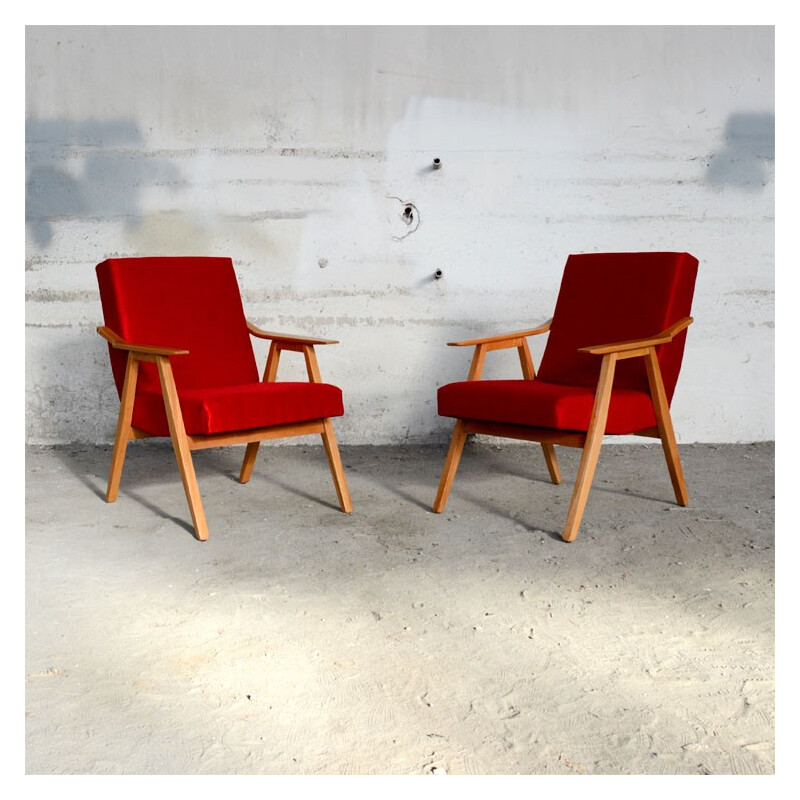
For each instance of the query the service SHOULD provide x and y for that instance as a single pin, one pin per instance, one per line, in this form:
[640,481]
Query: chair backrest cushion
[187,302]
[613,297]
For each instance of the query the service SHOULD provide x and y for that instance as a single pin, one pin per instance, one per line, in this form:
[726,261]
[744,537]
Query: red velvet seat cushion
[543,405]
[234,408]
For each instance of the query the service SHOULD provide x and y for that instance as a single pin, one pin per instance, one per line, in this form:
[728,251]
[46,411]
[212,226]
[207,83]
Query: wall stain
[261,216]
[330,152]
[57,296]
[87,169]
[368,322]
[73,150]
[749,147]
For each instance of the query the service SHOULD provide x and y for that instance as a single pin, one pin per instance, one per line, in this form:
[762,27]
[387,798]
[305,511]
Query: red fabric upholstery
[543,405]
[604,298]
[233,408]
[612,297]
[193,303]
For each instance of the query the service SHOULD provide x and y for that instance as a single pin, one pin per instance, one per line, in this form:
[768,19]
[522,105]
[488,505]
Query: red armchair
[184,367]
[610,366]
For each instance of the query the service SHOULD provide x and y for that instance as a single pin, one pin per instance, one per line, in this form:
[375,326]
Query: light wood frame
[184,443]
[589,441]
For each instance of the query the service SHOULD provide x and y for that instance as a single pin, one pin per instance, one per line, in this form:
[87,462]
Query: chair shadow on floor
[156,467]
[289,488]
[482,463]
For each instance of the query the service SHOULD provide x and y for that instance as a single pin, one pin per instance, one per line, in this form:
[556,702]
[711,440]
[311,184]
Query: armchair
[184,367]
[636,305]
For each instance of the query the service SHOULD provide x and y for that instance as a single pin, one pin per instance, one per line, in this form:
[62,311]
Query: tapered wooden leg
[450,466]
[250,453]
[181,446]
[552,463]
[123,428]
[337,468]
[591,450]
[665,429]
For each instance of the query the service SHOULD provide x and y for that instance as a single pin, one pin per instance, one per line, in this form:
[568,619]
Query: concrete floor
[299,640]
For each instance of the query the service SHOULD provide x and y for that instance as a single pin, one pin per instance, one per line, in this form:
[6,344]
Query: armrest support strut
[502,341]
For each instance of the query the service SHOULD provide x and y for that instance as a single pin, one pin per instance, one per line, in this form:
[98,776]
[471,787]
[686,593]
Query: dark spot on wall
[749,148]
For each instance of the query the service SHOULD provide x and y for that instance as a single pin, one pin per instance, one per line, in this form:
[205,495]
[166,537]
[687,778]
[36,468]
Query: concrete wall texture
[294,150]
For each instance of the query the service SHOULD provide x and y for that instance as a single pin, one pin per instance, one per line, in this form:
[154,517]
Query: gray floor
[299,640]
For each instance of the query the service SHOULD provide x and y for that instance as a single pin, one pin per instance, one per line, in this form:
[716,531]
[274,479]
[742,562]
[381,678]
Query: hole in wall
[407,215]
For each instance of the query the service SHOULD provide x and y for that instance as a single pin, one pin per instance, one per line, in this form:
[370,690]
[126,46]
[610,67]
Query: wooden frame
[184,443]
[589,441]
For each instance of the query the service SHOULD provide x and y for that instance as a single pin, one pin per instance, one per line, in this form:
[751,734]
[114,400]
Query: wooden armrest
[634,344]
[287,337]
[502,337]
[117,342]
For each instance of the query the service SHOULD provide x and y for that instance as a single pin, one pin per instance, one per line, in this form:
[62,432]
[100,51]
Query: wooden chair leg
[665,429]
[250,453]
[450,466]
[337,468]
[123,428]
[591,449]
[529,373]
[181,446]
[270,373]
[552,463]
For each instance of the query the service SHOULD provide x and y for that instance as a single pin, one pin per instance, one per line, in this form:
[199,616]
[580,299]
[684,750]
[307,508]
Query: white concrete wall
[294,150]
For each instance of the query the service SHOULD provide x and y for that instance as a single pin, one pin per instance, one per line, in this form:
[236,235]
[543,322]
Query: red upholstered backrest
[187,302]
[613,297]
